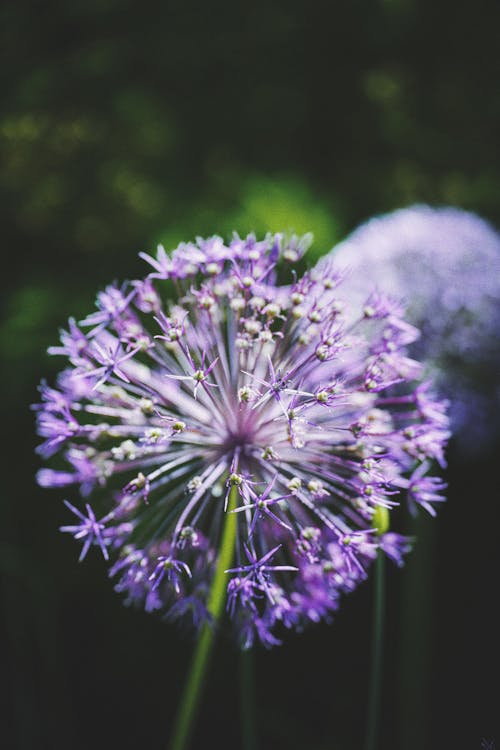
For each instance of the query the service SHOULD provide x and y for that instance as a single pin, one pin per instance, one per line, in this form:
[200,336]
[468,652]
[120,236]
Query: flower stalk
[375,690]
[376,674]
[192,692]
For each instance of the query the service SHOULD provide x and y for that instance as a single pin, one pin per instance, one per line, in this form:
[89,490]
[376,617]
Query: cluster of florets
[241,397]
[445,264]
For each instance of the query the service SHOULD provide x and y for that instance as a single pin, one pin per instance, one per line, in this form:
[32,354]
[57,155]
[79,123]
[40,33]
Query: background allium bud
[445,265]
[311,414]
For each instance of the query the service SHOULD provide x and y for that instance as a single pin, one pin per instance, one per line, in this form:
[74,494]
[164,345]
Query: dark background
[125,124]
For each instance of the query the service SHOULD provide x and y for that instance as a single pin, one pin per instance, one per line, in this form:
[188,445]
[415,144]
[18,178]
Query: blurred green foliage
[124,126]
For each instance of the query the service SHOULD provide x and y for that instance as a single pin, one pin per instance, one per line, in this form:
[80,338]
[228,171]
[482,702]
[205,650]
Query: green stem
[416,638]
[215,605]
[247,698]
[372,723]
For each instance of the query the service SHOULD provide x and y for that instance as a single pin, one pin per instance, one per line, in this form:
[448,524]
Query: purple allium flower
[444,263]
[89,529]
[315,419]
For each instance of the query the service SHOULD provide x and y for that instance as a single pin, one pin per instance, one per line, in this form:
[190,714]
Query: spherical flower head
[209,393]
[444,264]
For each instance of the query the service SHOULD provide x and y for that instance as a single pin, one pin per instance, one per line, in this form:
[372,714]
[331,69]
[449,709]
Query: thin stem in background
[247,701]
[374,696]
[215,605]
[416,641]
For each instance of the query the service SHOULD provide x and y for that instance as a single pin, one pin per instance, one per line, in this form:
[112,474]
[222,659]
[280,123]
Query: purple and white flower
[310,413]
[444,264]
